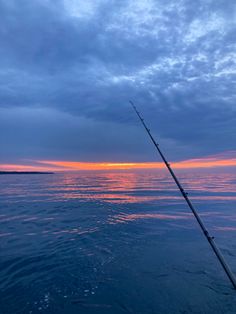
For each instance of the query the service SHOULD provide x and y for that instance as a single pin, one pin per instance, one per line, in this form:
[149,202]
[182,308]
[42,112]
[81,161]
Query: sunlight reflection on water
[119,187]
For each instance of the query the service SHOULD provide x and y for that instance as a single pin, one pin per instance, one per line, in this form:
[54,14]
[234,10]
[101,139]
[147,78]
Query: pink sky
[226,159]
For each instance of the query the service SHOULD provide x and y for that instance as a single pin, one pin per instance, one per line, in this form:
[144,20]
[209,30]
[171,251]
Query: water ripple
[114,243]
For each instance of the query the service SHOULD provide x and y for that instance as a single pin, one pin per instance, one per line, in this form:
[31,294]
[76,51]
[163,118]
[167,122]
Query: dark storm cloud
[76,64]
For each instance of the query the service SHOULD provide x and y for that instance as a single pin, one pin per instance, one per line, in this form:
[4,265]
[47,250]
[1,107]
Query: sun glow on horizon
[58,166]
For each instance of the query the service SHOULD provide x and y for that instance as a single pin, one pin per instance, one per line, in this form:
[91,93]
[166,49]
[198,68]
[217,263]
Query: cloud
[71,60]
[227,159]
[41,133]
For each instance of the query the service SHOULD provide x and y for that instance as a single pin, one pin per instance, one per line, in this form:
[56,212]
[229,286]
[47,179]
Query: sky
[68,69]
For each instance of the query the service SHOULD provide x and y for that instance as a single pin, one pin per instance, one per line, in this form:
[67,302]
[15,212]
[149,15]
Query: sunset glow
[24,167]
[52,165]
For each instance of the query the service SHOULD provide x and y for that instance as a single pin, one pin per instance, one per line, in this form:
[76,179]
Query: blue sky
[69,67]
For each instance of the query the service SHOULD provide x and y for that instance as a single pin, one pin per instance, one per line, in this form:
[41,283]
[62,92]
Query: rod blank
[209,238]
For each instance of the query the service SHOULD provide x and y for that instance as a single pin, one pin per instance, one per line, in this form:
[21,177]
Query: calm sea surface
[121,242]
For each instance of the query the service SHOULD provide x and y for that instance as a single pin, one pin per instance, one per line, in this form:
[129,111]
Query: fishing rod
[209,238]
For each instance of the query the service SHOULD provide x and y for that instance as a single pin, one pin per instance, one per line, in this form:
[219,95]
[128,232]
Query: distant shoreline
[25,172]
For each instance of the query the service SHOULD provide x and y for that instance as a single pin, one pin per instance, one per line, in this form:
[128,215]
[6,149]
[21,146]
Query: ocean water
[115,242]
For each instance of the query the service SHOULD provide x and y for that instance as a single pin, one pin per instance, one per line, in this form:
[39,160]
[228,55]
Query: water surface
[121,242]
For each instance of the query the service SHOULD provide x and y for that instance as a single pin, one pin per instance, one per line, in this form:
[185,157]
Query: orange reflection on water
[122,187]
[136,187]
[109,187]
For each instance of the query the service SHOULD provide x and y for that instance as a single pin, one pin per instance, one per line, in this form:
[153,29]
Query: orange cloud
[21,167]
[73,165]
[205,163]
[53,165]
[187,164]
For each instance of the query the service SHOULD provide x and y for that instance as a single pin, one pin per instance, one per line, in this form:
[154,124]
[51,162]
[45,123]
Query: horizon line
[61,165]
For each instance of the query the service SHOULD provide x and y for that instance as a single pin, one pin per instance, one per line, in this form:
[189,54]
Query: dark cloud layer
[68,69]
